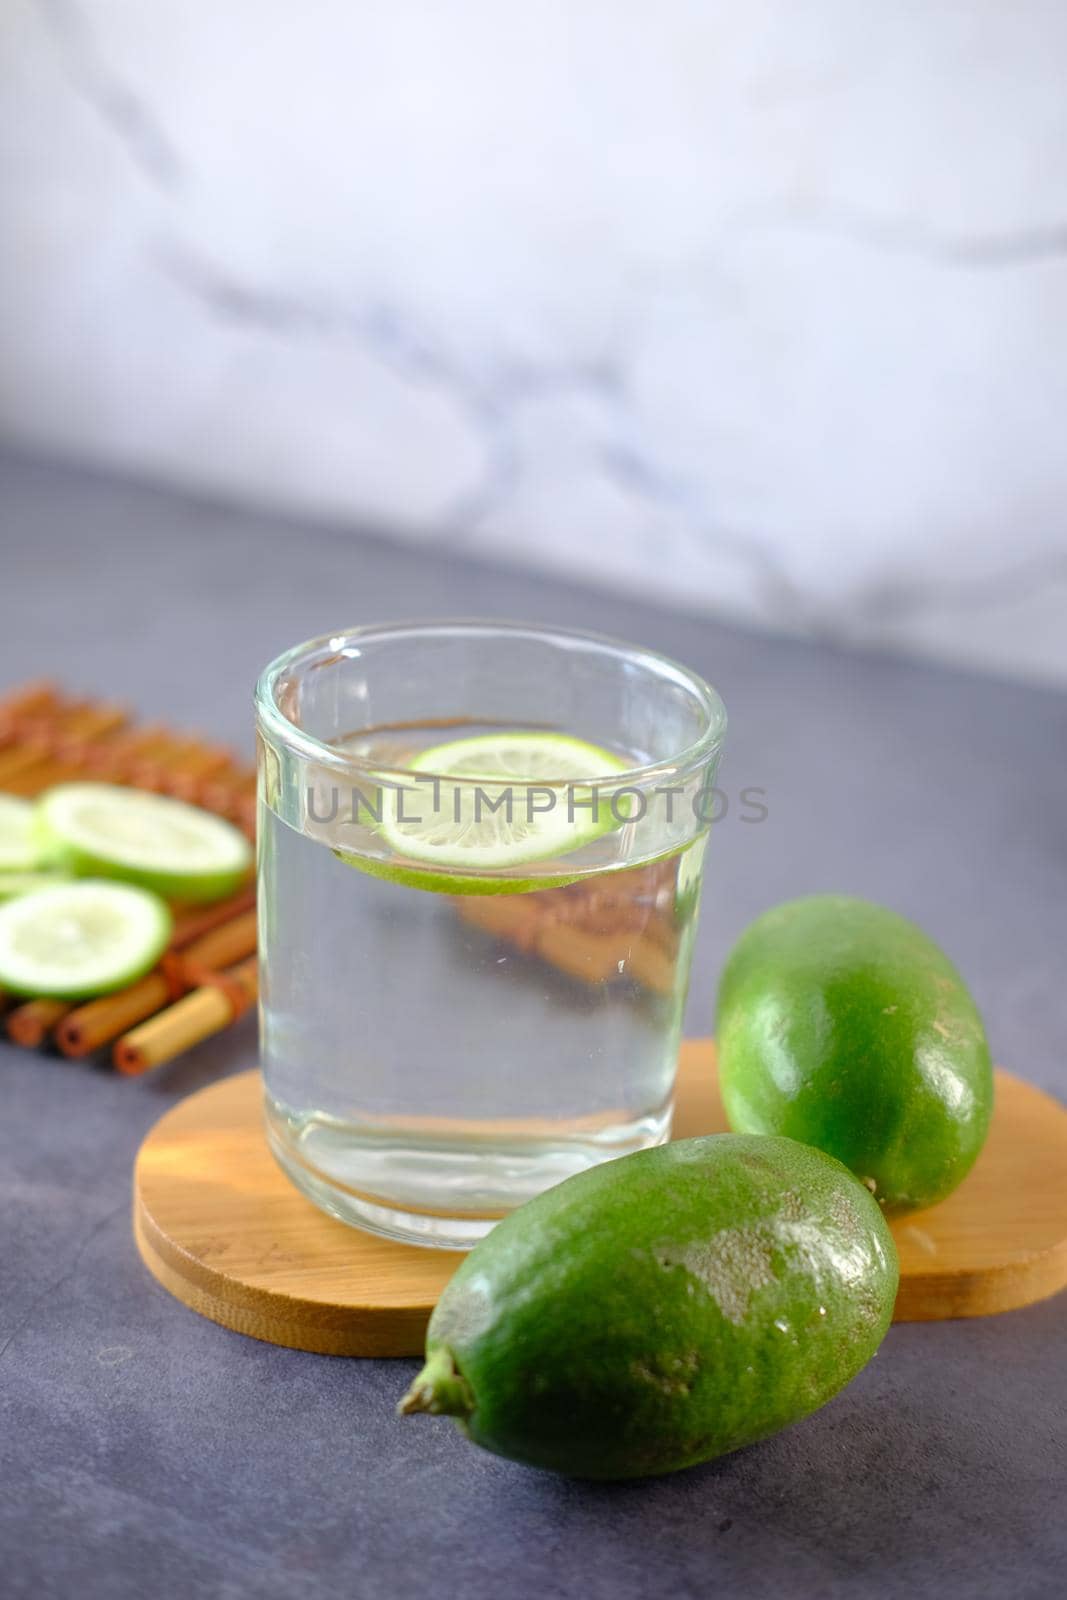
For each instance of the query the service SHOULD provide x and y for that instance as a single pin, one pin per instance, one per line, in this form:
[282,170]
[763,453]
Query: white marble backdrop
[758,307]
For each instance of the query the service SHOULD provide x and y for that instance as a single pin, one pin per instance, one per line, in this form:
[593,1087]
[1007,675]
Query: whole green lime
[841,1024]
[662,1309]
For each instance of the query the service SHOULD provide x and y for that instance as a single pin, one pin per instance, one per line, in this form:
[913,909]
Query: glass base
[442,1194]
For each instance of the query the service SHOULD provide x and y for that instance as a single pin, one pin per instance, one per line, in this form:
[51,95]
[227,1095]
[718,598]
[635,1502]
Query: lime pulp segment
[175,849]
[76,940]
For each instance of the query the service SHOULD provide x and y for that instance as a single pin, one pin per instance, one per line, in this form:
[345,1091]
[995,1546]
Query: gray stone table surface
[146,1452]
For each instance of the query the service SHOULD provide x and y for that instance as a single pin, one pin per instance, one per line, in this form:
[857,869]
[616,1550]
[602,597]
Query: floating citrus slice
[492,803]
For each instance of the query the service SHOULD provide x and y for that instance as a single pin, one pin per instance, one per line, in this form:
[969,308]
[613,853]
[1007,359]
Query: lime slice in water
[80,939]
[20,848]
[523,798]
[177,850]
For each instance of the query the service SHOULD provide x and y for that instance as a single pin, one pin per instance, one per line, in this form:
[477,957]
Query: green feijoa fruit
[662,1309]
[841,1024]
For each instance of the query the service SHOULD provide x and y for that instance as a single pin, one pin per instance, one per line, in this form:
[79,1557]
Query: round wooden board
[221,1227]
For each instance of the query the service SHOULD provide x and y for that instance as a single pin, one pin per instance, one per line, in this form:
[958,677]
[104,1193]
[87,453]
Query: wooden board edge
[216,1284]
[347,1333]
[988,1293]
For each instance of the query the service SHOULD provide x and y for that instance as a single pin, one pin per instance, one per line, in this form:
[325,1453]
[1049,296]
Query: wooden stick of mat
[108,760]
[32,697]
[31,1022]
[38,738]
[223,998]
[46,739]
[36,703]
[157,772]
[192,921]
[116,758]
[207,762]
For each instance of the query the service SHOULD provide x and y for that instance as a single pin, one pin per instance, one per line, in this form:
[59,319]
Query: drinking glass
[448,1029]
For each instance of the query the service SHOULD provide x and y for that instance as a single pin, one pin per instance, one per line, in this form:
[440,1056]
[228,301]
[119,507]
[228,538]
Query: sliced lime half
[80,939]
[165,845]
[20,847]
[518,798]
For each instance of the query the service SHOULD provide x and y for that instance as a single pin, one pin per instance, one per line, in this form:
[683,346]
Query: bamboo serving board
[224,1231]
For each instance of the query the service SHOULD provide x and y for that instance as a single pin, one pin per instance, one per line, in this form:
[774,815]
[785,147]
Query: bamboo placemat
[207,977]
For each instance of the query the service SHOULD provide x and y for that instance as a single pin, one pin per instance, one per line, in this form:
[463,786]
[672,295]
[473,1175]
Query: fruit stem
[439,1389]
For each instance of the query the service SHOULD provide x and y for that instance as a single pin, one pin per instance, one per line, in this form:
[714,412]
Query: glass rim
[273,720]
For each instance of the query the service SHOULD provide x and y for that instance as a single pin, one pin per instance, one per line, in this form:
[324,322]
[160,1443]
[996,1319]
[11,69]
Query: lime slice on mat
[80,939]
[20,848]
[522,798]
[177,850]
[14,883]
